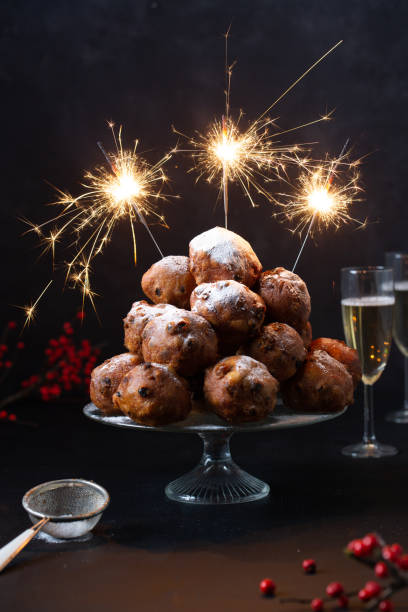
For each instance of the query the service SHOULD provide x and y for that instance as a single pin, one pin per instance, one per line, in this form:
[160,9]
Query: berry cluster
[69,366]
[389,562]
[68,363]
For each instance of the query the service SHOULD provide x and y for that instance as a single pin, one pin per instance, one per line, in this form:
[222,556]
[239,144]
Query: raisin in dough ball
[169,281]
[180,339]
[240,389]
[106,377]
[136,320]
[286,297]
[306,334]
[280,348]
[219,254]
[152,394]
[235,312]
[322,384]
[343,353]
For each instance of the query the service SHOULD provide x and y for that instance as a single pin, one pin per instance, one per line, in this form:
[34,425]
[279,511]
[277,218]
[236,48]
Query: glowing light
[130,188]
[125,188]
[321,201]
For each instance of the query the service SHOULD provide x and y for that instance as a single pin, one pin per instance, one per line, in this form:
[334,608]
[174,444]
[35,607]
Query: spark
[130,188]
[30,310]
[251,157]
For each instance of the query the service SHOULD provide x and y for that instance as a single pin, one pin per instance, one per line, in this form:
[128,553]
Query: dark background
[68,66]
[65,68]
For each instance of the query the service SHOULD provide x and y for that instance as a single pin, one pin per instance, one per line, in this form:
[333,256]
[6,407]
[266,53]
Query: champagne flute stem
[406,384]
[369,434]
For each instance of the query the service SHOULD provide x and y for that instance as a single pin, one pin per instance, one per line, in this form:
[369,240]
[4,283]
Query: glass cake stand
[217,479]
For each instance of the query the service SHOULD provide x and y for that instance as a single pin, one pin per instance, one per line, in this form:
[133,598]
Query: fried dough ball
[169,281]
[286,297]
[219,254]
[180,339]
[235,312]
[106,377]
[240,389]
[306,334]
[152,394]
[280,348]
[322,384]
[136,320]
[343,353]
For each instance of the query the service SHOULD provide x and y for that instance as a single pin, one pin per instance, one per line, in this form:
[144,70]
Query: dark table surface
[151,554]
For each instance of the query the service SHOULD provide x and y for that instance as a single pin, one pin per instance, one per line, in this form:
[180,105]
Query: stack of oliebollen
[224,333]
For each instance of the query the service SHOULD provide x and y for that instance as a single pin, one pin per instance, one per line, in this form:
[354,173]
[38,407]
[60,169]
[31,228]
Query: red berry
[373,588]
[8,364]
[386,606]
[381,570]
[267,586]
[317,604]
[370,541]
[389,553]
[402,562]
[3,414]
[309,566]
[12,417]
[20,345]
[358,548]
[12,325]
[3,348]
[364,595]
[80,315]
[334,589]
[343,601]
[397,549]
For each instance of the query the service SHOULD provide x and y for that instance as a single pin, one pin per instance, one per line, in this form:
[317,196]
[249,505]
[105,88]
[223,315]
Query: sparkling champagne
[401,316]
[367,323]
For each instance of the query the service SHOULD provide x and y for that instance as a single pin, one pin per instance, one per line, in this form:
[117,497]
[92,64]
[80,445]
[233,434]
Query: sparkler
[324,195]
[248,157]
[130,189]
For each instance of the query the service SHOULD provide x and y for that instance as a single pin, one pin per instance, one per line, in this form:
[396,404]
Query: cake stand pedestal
[217,479]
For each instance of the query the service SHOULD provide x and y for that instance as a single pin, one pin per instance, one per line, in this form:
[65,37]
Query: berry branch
[66,367]
[389,562]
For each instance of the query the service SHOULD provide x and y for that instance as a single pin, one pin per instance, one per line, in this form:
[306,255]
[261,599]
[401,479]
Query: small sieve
[63,509]
[72,506]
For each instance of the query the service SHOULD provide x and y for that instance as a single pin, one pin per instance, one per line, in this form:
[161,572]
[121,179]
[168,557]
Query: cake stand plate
[217,479]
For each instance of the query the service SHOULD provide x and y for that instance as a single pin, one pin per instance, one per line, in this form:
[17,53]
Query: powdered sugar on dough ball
[136,320]
[180,339]
[219,254]
[240,389]
[169,281]
[286,297]
[152,394]
[235,312]
[105,380]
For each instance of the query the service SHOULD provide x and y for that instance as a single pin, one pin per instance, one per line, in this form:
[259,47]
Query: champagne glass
[399,263]
[367,304]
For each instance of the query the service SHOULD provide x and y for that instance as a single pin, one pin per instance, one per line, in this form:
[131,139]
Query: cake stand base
[216,479]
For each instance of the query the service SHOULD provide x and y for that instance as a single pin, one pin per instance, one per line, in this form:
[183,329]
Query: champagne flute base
[373,450]
[399,416]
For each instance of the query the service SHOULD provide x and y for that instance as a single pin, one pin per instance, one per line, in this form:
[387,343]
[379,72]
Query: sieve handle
[12,549]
